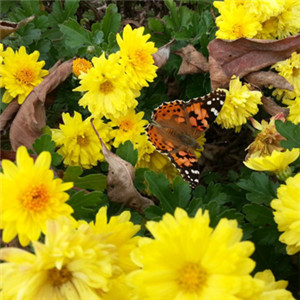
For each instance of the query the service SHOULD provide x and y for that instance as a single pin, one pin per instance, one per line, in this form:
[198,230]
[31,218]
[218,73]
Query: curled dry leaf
[192,61]
[272,108]
[243,56]
[266,79]
[31,117]
[120,187]
[162,55]
[6,28]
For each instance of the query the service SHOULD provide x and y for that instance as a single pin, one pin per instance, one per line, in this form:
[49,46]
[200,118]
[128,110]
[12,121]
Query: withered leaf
[243,56]
[120,187]
[192,61]
[272,108]
[162,55]
[31,117]
[263,78]
[6,27]
[8,115]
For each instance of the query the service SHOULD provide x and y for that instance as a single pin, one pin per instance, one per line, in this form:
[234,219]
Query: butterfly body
[176,126]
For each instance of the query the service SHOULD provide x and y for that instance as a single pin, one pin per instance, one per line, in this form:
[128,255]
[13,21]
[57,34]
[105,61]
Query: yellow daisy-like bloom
[268,30]
[107,87]
[277,162]
[1,53]
[240,104]
[287,212]
[203,264]
[290,70]
[294,110]
[136,55]
[128,127]
[20,73]
[120,232]
[78,142]
[235,21]
[73,263]
[30,196]
[81,65]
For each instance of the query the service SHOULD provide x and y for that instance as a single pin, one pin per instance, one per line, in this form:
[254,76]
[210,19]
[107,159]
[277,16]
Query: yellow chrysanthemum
[271,290]
[235,21]
[80,65]
[78,142]
[20,73]
[107,87]
[277,162]
[240,104]
[120,232]
[268,30]
[287,213]
[1,53]
[290,70]
[73,263]
[203,264]
[294,110]
[136,55]
[128,127]
[30,196]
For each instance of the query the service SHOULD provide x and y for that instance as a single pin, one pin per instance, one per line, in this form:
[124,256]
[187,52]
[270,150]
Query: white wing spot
[208,102]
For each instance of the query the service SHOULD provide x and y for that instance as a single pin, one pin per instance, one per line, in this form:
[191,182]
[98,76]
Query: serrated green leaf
[266,236]
[291,132]
[31,7]
[61,12]
[29,34]
[98,38]
[85,206]
[258,215]
[153,213]
[155,25]
[260,188]
[111,22]
[182,191]
[96,182]
[127,152]
[75,35]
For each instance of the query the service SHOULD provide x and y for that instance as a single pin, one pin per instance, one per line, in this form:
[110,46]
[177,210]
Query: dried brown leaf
[272,107]
[266,79]
[6,27]
[31,117]
[8,115]
[120,187]
[243,56]
[192,61]
[162,55]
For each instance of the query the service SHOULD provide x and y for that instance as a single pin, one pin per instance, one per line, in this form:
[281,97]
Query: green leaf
[127,152]
[259,187]
[291,132]
[29,34]
[258,215]
[155,25]
[154,213]
[111,22]
[44,143]
[96,182]
[86,205]
[75,35]
[61,12]
[31,7]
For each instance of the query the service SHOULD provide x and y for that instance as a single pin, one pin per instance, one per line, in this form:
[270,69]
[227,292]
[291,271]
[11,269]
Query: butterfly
[176,125]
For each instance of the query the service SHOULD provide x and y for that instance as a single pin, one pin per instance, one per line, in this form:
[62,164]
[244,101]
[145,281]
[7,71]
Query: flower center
[139,57]
[296,72]
[238,31]
[59,277]
[106,87]
[82,140]
[25,76]
[35,198]
[126,125]
[191,278]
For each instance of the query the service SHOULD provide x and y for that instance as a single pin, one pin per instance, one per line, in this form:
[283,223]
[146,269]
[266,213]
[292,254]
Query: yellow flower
[30,196]
[1,53]
[20,73]
[203,264]
[268,30]
[136,55]
[78,142]
[277,162]
[240,104]
[294,110]
[81,65]
[118,231]
[287,213]
[73,263]
[290,70]
[108,88]
[128,127]
[235,21]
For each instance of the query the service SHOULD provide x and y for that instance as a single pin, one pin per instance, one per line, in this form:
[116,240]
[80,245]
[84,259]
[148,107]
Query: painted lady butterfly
[178,124]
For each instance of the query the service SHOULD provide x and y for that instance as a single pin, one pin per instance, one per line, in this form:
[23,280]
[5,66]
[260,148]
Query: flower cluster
[266,19]
[20,73]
